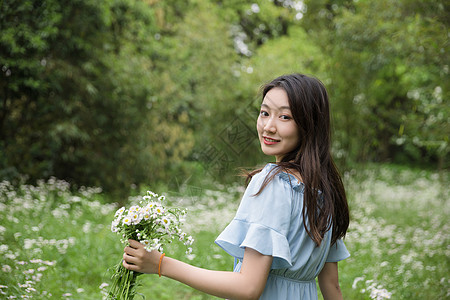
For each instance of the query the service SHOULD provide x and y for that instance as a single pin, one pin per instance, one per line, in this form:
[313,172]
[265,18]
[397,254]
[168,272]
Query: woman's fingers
[129,266]
[131,262]
[135,244]
[130,251]
[129,259]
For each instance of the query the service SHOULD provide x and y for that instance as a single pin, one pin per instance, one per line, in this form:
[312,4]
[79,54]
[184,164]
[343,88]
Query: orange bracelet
[159,266]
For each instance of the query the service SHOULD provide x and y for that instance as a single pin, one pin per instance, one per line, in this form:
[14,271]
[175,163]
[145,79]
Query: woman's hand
[136,258]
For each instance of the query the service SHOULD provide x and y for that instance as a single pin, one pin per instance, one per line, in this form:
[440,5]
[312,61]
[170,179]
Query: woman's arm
[249,283]
[329,282]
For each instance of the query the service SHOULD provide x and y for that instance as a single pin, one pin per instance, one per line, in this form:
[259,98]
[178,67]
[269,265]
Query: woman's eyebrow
[278,108]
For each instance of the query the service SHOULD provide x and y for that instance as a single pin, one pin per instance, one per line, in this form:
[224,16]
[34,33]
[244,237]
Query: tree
[381,55]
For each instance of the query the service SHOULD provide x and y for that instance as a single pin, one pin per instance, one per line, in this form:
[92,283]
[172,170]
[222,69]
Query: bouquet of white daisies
[154,226]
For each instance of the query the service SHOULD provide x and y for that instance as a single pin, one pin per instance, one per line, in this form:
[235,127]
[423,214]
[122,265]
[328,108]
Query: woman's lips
[269,141]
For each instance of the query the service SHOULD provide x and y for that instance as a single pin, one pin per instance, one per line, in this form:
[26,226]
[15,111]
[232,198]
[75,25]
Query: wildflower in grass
[3,248]
[103,285]
[2,287]
[151,224]
[355,282]
[6,268]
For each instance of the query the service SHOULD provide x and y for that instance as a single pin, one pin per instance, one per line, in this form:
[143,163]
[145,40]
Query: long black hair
[308,101]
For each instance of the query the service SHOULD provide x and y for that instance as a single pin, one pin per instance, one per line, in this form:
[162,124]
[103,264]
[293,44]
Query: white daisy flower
[166,221]
[151,205]
[190,241]
[127,220]
[182,236]
[159,210]
[146,210]
[134,209]
[146,243]
[151,194]
[114,226]
[119,212]
[135,218]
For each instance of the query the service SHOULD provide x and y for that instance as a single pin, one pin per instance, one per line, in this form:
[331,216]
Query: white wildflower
[134,209]
[151,194]
[146,244]
[127,220]
[182,236]
[115,225]
[166,221]
[119,212]
[6,268]
[190,241]
[159,210]
[355,282]
[135,218]
[103,285]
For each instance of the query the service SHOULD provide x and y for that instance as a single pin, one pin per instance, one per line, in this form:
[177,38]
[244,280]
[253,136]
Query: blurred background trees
[127,92]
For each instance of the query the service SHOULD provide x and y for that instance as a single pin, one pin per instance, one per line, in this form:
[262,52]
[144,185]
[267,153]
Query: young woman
[289,226]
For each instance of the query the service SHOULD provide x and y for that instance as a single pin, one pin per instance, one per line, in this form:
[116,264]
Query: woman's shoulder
[285,176]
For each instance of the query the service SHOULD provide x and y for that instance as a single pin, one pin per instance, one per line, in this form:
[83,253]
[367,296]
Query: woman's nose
[269,126]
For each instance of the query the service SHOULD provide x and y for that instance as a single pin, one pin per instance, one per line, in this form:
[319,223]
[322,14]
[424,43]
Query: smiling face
[277,131]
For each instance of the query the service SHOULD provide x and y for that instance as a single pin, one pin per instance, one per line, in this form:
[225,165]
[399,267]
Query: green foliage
[73,96]
[125,92]
[389,75]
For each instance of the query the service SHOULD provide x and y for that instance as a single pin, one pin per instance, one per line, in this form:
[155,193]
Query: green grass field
[58,244]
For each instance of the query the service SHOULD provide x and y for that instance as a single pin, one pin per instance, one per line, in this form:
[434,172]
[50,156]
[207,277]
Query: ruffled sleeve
[337,252]
[261,222]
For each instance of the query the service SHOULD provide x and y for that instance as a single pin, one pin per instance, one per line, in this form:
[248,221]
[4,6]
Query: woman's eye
[284,117]
[263,113]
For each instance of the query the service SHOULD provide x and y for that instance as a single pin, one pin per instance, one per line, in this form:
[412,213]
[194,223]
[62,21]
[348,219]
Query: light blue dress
[272,224]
